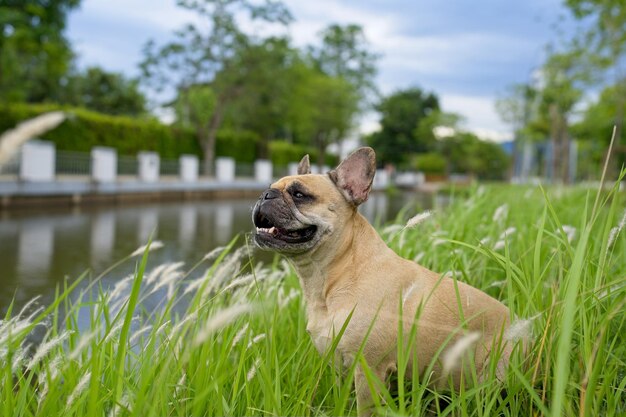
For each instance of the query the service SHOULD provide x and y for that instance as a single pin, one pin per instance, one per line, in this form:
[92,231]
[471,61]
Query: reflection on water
[38,250]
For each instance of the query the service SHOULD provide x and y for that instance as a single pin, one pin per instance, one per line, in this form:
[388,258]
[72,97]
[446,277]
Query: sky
[465,51]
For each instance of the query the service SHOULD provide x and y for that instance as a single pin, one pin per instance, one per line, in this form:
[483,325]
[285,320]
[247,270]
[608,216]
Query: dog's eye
[298,194]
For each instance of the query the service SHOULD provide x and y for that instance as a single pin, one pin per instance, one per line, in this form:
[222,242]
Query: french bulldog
[350,276]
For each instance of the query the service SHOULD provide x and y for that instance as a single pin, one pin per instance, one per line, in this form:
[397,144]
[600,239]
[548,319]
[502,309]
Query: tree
[563,84]
[105,92]
[605,40]
[34,54]
[217,58]
[466,153]
[401,113]
[268,87]
[330,104]
[518,106]
[344,54]
[595,130]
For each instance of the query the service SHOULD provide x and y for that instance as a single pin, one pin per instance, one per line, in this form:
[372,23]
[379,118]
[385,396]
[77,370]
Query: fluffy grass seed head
[500,213]
[46,347]
[252,371]
[12,140]
[156,244]
[80,387]
[520,329]
[417,219]
[452,357]
[221,319]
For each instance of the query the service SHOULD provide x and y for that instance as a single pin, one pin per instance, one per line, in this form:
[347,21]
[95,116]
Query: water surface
[40,249]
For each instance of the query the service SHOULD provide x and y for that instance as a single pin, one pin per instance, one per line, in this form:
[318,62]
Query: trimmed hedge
[430,163]
[86,129]
[282,153]
[241,145]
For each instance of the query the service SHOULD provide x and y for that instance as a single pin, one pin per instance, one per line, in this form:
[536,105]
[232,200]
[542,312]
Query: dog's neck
[334,272]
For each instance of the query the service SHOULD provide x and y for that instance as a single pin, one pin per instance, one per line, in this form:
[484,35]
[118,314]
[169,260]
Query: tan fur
[351,269]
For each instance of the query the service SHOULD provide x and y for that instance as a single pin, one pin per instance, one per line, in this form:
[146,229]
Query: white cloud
[163,15]
[480,115]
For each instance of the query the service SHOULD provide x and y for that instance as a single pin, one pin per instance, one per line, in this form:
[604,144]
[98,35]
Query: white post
[263,171]
[37,161]
[293,168]
[381,179]
[225,169]
[573,160]
[420,179]
[188,168]
[103,164]
[148,166]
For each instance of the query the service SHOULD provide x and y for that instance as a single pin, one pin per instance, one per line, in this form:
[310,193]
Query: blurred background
[204,99]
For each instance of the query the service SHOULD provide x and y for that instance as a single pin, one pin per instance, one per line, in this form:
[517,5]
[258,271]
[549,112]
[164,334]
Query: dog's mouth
[267,229]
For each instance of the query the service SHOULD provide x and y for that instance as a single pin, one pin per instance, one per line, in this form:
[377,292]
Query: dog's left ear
[304,167]
[355,174]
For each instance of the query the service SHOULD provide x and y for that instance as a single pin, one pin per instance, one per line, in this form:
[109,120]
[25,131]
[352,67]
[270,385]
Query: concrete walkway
[81,189]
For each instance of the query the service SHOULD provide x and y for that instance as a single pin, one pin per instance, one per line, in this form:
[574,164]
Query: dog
[350,277]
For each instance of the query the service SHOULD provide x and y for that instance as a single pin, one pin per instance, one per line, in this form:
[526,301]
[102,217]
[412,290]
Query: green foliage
[104,92]
[195,106]
[216,54]
[595,130]
[34,54]
[238,144]
[466,153]
[86,129]
[430,163]
[345,54]
[268,83]
[401,114]
[282,153]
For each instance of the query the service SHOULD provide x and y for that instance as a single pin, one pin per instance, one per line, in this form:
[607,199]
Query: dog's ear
[304,167]
[355,174]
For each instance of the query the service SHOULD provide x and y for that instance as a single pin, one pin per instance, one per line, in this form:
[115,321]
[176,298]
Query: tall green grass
[234,341]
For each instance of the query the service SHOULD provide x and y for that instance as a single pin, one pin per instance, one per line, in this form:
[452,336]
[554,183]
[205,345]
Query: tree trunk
[321,151]
[209,139]
[620,88]
[554,140]
[262,148]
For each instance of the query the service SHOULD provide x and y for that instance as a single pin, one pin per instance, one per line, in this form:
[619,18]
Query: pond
[39,249]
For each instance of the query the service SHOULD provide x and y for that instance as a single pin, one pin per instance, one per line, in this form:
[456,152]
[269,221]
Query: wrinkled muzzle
[276,226]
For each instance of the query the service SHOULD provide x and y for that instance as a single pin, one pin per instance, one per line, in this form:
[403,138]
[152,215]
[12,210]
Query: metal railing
[169,167]
[72,163]
[12,166]
[127,165]
[244,170]
[279,172]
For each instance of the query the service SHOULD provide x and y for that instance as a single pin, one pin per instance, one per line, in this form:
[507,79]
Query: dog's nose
[271,193]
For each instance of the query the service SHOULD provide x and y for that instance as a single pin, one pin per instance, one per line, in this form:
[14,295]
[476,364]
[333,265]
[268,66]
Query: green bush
[282,153]
[238,144]
[85,129]
[430,163]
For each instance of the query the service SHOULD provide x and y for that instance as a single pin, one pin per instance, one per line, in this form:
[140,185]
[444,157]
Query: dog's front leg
[364,395]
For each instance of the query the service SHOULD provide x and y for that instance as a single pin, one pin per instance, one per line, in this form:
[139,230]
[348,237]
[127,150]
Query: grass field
[239,345]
